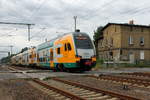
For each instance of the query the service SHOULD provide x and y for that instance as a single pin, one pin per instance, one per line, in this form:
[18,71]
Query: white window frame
[130,40]
[141,40]
[141,55]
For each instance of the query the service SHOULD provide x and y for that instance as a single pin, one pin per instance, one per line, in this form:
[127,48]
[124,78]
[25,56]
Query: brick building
[124,43]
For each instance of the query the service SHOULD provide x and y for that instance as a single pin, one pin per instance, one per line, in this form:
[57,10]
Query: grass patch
[100,65]
[47,78]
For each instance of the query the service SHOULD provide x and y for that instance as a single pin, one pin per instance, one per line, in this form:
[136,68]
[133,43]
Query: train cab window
[69,46]
[65,47]
[58,50]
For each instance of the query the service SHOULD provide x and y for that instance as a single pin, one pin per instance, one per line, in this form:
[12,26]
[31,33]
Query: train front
[85,51]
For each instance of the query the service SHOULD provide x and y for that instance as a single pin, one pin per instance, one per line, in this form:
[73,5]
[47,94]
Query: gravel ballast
[20,90]
[141,93]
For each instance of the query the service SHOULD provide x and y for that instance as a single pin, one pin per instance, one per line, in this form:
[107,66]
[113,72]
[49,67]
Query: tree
[6,59]
[24,49]
[98,33]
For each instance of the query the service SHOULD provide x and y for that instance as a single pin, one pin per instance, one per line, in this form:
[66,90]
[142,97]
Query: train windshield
[83,41]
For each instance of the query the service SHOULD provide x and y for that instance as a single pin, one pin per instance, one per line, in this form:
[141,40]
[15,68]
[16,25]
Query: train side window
[58,50]
[51,55]
[65,47]
[69,46]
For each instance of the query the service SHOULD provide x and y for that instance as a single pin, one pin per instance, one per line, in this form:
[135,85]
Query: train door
[65,54]
[51,58]
[69,49]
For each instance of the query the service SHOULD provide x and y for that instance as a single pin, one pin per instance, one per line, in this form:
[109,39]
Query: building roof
[125,24]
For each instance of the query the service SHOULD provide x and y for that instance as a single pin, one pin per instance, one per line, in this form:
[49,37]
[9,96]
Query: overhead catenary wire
[43,29]
[8,33]
[130,13]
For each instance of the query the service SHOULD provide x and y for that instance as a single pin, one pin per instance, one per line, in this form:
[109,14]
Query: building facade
[124,43]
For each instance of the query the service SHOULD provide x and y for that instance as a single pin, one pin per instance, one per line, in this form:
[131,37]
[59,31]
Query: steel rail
[113,94]
[63,92]
[132,80]
[145,74]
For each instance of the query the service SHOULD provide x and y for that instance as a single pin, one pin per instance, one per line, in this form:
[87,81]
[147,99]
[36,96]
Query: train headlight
[94,58]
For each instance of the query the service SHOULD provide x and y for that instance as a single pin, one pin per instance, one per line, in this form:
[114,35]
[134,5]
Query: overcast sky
[55,17]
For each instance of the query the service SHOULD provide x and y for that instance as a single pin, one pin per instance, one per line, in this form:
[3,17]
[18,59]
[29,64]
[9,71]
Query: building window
[58,50]
[130,40]
[111,53]
[141,29]
[142,55]
[111,42]
[106,42]
[120,51]
[141,40]
[115,29]
[131,28]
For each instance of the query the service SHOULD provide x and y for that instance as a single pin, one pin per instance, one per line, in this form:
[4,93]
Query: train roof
[50,43]
[45,45]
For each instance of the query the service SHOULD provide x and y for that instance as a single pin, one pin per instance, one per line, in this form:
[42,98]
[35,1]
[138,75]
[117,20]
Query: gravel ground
[4,68]
[133,76]
[122,70]
[20,90]
[141,93]
[23,68]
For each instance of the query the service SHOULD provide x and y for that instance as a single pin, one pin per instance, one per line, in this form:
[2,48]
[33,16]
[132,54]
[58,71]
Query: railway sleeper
[49,92]
[92,96]
[100,98]
[84,94]
[113,99]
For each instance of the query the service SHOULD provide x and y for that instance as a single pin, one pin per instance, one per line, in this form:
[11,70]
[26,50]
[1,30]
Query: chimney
[131,22]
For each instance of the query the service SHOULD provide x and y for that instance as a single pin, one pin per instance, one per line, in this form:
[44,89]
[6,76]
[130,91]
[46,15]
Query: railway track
[90,93]
[141,74]
[58,93]
[124,80]
[20,68]
[76,91]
